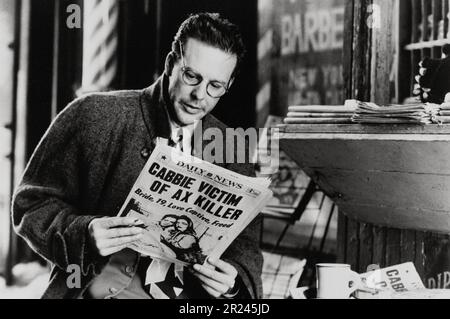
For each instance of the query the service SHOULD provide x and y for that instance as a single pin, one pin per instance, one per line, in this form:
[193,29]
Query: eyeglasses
[215,89]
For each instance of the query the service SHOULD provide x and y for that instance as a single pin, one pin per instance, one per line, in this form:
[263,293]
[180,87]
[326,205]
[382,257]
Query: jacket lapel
[153,107]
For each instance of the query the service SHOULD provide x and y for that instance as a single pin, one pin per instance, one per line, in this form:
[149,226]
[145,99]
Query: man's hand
[112,234]
[217,278]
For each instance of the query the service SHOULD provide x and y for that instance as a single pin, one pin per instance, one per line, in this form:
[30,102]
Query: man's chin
[185,119]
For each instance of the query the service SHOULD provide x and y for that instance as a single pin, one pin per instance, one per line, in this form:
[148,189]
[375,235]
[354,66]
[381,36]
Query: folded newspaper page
[192,209]
[397,282]
[414,113]
[323,108]
[319,114]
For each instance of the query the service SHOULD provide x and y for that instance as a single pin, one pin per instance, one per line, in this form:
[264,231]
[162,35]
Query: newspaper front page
[398,282]
[192,209]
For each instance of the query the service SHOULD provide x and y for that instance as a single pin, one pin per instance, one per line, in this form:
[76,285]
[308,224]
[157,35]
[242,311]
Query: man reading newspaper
[86,164]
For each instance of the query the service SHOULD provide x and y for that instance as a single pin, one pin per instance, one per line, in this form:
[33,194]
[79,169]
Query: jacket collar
[154,110]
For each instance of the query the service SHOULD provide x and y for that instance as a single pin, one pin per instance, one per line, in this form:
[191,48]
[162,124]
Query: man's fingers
[214,288]
[121,221]
[119,232]
[211,291]
[214,275]
[110,227]
[217,286]
[98,232]
[208,272]
[223,266]
[118,241]
[109,237]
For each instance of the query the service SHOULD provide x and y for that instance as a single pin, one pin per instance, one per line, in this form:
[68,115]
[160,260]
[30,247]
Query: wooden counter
[386,175]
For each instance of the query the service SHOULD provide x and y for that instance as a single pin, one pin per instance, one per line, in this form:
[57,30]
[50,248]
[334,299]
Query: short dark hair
[214,30]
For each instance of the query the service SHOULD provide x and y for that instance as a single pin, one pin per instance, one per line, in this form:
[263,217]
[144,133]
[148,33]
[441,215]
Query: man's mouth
[190,108]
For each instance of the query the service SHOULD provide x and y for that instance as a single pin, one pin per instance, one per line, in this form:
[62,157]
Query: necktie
[176,140]
[161,279]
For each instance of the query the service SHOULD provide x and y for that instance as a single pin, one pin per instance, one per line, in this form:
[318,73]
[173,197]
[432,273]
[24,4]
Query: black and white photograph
[240,150]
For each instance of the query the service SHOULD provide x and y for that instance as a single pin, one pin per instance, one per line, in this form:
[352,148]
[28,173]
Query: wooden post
[357,83]
[382,48]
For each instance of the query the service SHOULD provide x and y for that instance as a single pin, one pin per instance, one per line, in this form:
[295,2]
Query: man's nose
[199,91]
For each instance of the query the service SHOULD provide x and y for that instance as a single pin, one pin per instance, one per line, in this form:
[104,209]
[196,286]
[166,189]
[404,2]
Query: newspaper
[348,108]
[414,113]
[397,282]
[191,208]
[319,114]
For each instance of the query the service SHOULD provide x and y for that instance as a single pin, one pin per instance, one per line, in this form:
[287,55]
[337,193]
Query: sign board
[300,54]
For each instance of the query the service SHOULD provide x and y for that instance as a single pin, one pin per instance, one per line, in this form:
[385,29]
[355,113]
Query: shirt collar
[187,130]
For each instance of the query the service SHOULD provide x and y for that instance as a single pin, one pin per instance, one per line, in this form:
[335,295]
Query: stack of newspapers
[320,114]
[416,113]
[442,115]
[191,209]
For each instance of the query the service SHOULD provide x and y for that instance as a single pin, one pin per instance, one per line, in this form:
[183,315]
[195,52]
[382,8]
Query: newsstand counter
[392,187]
[388,175]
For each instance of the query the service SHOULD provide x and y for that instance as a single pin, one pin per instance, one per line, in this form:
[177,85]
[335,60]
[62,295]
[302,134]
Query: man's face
[192,103]
[167,221]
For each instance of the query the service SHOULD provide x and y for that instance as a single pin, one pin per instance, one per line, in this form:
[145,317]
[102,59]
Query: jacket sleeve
[244,253]
[44,207]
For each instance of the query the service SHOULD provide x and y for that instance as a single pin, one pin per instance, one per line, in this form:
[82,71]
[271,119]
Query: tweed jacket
[84,167]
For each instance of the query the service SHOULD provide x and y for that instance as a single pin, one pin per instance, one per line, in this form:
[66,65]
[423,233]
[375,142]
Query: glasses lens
[190,77]
[215,90]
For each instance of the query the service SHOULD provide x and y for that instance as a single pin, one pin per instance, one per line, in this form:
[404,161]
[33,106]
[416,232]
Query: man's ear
[169,64]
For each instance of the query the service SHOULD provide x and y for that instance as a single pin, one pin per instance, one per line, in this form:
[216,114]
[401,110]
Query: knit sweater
[84,167]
